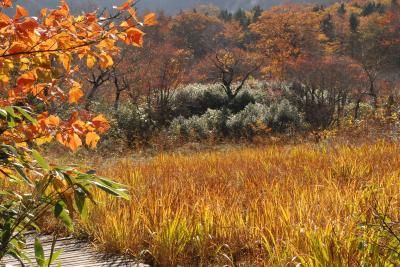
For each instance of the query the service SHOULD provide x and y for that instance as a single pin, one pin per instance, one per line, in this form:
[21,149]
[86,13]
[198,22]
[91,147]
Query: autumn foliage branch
[39,60]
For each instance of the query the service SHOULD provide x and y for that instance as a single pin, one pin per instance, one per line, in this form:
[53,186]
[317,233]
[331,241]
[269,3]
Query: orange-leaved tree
[286,33]
[38,59]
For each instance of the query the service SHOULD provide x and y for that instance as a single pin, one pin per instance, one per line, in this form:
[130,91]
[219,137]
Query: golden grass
[268,206]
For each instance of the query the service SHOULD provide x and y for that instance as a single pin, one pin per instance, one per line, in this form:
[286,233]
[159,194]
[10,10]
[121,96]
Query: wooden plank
[77,253]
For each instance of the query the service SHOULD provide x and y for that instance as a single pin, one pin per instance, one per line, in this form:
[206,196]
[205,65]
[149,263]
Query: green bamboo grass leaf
[110,190]
[63,215]
[53,258]
[10,111]
[19,256]
[11,122]
[80,202]
[39,253]
[26,115]
[110,183]
[3,113]
[22,173]
[40,160]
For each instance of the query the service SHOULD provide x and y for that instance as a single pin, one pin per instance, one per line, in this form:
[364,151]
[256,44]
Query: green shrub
[282,115]
[243,122]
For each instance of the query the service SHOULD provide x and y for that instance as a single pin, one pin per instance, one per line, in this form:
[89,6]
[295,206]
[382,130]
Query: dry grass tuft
[260,206]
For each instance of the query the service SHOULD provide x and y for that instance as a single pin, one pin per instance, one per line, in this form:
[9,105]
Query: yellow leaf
[106,43]
[4,78]
[49,44]
[106,61]
[59,184]
[43,12]
[132,12]
[75,94]
[5,172]
[22,145]
[66,61]
[150,19]
[125,24]
[92,139]
[43,140]
[90,61]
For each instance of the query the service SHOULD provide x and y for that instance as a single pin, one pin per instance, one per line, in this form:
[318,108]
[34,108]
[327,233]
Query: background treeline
[170,6]
[213,74]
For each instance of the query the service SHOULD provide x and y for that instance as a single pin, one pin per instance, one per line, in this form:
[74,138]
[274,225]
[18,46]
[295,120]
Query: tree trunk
[90,97]
[117,98]
[357,109]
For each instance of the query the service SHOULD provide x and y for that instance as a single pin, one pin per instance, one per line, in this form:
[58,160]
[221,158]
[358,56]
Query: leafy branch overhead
[39,60]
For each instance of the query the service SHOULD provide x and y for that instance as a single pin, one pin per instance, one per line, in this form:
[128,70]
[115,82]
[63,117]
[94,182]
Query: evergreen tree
[240,15]
[380,8]
[368,9]
[327,27]
[318,8]
[354,22]
[372,7]
[225,15]
[342,9]
[257,11]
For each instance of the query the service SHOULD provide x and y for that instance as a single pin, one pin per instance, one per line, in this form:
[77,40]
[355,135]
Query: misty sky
[170,6]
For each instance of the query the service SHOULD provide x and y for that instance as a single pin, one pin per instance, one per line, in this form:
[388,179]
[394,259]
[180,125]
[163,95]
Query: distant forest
[170,6]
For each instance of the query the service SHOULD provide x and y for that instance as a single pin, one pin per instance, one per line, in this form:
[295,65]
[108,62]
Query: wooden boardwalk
[76,253]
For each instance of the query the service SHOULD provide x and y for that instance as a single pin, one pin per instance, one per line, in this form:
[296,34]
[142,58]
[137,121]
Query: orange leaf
[43,12]
[60,138]
[64,6]
[106,61]
[28,25]
[26,79]
[74,142]
[134,36]
[20,12]
[150,19]
[125,5]
[6,3]
[53,120]
[4,20]
[38,89]
[101,124]
[16,47]
[75,94]
[66,61]
[92,139]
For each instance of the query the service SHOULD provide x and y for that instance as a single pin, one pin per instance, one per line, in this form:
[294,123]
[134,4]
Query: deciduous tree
[37,69]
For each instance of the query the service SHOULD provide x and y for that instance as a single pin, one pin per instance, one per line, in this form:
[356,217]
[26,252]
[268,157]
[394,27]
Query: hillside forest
[212,74]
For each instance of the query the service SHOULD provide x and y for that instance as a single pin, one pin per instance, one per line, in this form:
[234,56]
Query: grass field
[271,206]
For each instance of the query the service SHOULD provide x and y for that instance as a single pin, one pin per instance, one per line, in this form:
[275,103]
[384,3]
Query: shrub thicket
[203,111]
